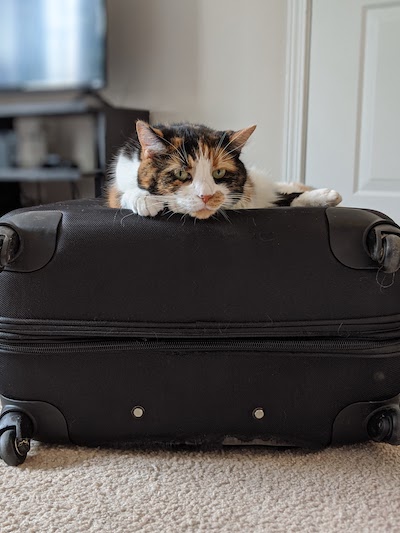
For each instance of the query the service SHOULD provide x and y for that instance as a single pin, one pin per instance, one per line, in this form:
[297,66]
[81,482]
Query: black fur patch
[130,148]
[286,199]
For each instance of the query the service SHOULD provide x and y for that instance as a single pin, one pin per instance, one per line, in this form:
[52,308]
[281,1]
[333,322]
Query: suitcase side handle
[382,243]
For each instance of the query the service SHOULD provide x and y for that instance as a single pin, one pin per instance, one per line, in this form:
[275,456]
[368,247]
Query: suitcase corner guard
[9,246]
[362,421]
[28,240]
[21,421]
[380,237]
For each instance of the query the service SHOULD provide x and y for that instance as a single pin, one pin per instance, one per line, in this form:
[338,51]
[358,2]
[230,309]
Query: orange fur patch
[146,173]
[159,132]
[216,200]
[301,187]
[203,213]
[176,141]
[222,159]
[113,197]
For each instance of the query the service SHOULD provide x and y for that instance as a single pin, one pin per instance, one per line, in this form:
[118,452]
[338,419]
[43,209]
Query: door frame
[298,40]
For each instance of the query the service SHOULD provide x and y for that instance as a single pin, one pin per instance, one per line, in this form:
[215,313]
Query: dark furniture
[112,126]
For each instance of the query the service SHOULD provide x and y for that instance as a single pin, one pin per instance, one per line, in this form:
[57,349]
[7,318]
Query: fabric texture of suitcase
[278,326]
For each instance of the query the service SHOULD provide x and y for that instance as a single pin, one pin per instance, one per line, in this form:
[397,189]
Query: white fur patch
[133,197]
[265,190]
[318,198]
[126,172]
[141,202]
[203,182]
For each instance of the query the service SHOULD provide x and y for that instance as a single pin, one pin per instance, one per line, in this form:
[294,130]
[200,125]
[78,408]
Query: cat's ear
[150,139]
[239,138]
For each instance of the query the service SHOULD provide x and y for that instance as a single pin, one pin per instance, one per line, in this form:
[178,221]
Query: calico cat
[195,170]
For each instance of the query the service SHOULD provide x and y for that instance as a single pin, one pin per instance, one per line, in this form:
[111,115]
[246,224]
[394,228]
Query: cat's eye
[181,174]
[219,173]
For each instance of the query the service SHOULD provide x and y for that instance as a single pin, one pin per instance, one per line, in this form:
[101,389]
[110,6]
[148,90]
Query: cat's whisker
[236,148]
[225,215]
[237,211]
[177,161]
[233,201]
[239,196]
[224,152]
[224,155]
[220,142]
[182,157]
[237,134]
[160,202]
[184,218]
[126,216]
[117,212]
[184,151]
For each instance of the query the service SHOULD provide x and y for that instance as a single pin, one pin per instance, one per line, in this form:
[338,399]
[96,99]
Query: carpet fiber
[58,488]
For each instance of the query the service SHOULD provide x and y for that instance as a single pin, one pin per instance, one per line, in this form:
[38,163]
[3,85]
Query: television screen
[52,44]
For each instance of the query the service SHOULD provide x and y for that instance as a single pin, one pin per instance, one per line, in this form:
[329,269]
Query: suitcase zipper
[312,346]
[386,328]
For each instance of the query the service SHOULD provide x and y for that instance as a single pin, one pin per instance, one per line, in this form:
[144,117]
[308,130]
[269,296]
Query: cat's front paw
[327,197]
[142,203]
[319,198]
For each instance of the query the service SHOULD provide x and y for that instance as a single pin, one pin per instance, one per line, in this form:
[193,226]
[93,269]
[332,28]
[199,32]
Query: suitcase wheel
[384,426]
[383,246]
[391,254]
[15,432]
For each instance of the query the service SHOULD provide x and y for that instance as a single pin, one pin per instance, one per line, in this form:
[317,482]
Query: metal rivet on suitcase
[137,411]
[258,413]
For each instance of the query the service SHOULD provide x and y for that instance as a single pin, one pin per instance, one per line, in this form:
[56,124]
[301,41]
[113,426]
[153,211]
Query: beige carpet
[351,489]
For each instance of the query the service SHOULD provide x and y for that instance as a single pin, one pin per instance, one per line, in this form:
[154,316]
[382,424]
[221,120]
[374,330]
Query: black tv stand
[112,126]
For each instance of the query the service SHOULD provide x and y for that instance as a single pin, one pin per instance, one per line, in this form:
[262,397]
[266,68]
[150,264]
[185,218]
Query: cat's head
[196,169]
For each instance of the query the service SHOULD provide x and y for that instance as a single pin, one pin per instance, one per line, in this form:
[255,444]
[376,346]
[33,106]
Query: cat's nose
[205,197]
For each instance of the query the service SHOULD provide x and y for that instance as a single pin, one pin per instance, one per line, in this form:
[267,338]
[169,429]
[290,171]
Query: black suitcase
[277,327]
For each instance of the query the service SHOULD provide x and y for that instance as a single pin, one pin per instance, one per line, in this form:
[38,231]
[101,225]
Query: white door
[353,139]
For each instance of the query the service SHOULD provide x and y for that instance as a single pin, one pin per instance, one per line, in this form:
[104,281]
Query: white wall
[220,62]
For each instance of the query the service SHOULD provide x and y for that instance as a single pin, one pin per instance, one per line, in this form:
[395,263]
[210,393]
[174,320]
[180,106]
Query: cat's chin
[202,213]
